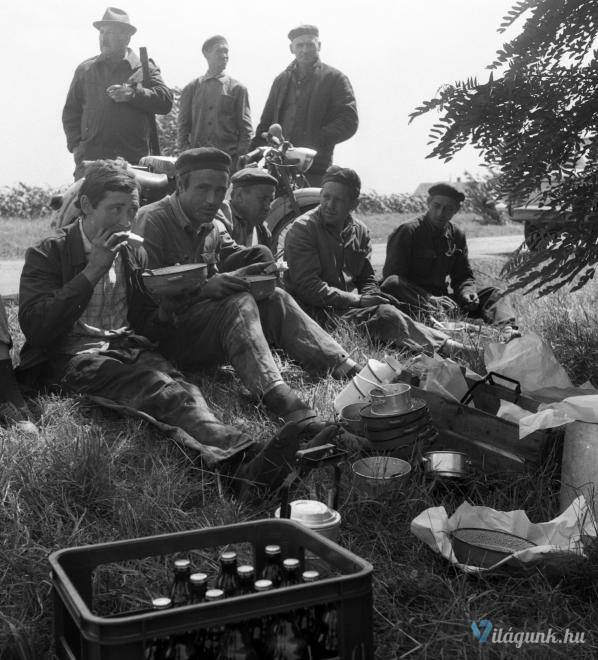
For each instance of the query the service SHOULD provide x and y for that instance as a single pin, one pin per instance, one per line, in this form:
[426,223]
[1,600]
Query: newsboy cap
[202,158]
[344,175]
[251,176]
[446,191]
[115,16]
[300,30]
[208,44]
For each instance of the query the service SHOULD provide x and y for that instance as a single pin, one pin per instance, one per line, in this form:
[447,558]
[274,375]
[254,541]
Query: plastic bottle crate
[82,635]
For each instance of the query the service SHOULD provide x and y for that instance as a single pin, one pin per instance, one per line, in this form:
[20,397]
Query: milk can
[579,470]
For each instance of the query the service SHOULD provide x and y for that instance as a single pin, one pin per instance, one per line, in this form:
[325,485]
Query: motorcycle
[286,163]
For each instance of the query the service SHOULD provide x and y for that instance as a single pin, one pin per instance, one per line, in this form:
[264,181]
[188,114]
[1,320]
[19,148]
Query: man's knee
[390,284]
[388,316]
[258,254]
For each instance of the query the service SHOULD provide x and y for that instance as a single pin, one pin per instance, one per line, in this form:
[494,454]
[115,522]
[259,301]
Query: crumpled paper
[561,535]
[441,375]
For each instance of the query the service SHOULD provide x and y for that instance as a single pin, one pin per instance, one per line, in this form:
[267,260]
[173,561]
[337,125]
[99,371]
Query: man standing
[422,253]
[327,252]
[225,323]
[313,102]
[252,194]
[90,328]
[109,106]
[214,109]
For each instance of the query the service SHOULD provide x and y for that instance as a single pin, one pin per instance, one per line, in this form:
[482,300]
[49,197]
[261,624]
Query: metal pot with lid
[449,464]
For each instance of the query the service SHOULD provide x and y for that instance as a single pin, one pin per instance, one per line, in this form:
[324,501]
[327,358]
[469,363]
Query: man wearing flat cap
[108,107]
[313,102]
[223,322]
[252,194]
[214,108]
[422,254]
[329,270]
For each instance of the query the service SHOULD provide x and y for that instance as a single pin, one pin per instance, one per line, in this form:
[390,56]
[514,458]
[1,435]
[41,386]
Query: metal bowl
[174,280]
[261,286]
[450,464]
[392,399]
[376,475]
[351,419]
[478,546]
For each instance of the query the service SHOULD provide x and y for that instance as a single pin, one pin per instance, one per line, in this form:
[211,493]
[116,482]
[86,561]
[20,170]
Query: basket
[173,280]
[82,635]
[478,546]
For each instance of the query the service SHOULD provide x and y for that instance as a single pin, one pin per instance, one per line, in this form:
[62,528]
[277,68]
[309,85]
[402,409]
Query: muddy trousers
[143,383]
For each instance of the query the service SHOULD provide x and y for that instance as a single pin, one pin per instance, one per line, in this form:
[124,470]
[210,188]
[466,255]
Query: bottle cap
[291,563]
[263,585]
[181,564]
[272,550]
[310,576]
[161,603]
[214,594]
[198,578]
[245,571]
[228,557]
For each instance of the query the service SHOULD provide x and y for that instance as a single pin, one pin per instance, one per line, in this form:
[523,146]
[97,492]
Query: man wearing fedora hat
[109,106]
[312,101]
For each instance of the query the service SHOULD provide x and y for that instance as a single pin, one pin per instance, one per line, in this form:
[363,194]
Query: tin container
[391,399]
[451,464]
[317,516]
[376,475]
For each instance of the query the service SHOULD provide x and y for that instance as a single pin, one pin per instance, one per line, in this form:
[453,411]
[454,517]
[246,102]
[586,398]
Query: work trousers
[238,330]
[141,382]
[494,306]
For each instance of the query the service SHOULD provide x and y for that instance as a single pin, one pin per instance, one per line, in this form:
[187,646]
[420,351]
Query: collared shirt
[214,112]
[426,256]
[98,127]
[324,267]
[246,234]
[170,238]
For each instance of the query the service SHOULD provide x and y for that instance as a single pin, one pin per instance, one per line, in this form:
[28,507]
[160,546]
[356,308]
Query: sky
[396,53]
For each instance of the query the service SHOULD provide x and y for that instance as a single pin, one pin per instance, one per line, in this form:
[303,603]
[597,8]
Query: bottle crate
[84,630]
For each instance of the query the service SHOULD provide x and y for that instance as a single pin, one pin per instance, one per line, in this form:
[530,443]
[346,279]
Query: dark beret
[251,176]
[446,191]
[300,30]
[208,44]
[202,158]
[344,175]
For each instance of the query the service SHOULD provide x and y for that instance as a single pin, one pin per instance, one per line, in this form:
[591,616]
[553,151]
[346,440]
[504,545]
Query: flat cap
[446,191]
[345,176]
[301,30]
[208,44]
[251,176]
[202,158]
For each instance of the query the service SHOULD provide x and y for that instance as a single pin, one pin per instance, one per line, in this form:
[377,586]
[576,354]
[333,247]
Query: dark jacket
[53,294]
[330,118]
[419,253]
[98,127]
[324,267]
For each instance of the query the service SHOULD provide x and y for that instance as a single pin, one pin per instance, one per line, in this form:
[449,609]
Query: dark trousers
[494,306]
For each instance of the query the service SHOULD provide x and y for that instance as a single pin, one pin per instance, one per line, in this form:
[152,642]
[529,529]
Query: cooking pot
[453,464]
[391,399]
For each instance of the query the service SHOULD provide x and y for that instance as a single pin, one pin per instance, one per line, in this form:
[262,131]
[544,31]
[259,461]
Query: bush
[25,201]
[373,202]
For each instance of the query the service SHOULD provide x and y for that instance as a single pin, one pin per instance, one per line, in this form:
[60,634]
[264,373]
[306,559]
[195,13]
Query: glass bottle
[198,583]
[290,572]
[273,569]
[258,628]
[308,617]
[328,637]
[246,574]
[180,592]
[236,645]
[285,641]
[159,649]
[228,579]
[213,636]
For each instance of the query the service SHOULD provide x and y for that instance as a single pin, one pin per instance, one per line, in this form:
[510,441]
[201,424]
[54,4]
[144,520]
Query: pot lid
[312,513]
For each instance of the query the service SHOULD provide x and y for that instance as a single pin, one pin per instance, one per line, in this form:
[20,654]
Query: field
[92,476]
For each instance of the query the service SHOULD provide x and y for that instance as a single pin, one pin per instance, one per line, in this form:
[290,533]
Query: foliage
[167,126]
[25,201]
[480,198]
[533,120]
[373,202]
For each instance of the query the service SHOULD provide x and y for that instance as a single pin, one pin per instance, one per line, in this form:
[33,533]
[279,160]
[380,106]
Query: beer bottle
[213,636]
[246,574]
[328,637]
[180,592]
[273,569]
[285,642]
[308,619]
[159,649]
[198,583]
[236,645]
[258,628]
[290,572]
[228,579]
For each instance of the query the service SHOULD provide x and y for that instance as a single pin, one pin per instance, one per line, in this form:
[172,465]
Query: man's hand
[120,93]
[372,299]
[444,303]
[103,252]
[471,301]
[223,285]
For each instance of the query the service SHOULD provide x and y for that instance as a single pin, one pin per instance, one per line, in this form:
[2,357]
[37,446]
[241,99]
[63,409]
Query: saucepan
[392,399]
[451,464]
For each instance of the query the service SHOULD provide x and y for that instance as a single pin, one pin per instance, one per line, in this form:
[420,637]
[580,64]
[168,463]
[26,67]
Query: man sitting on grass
[329,270]
[423,253]
[91,329]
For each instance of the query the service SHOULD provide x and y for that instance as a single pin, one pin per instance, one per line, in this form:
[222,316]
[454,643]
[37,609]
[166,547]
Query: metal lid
[291,563]
[310,576]
[198,578]
[263,585]
[228,557]
[272,549]
[181,564]
[161,603]
[313,514]
[214,594]
[246,570]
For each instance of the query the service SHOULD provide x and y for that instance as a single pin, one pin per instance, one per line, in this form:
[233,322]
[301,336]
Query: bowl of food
[377,475]
[174,280]
[261,286]
[478,546]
